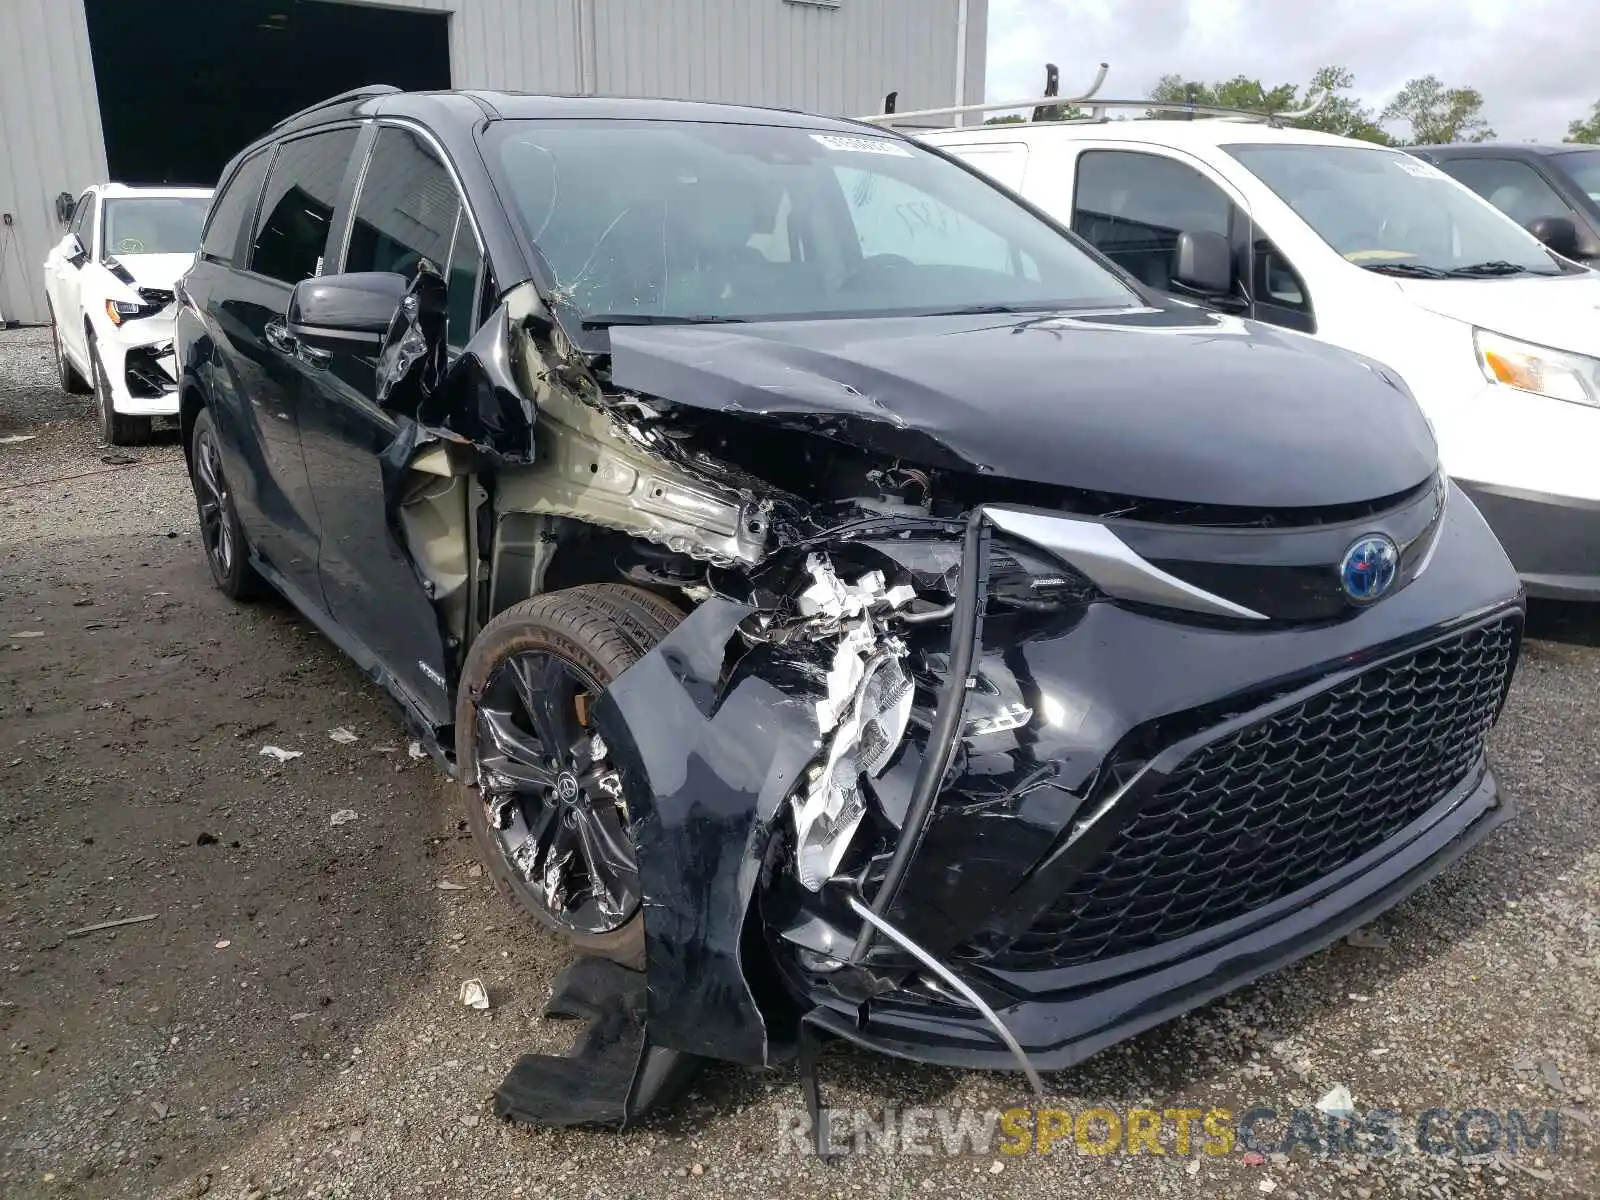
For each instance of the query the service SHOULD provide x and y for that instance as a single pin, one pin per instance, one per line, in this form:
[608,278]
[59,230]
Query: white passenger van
[1368,248]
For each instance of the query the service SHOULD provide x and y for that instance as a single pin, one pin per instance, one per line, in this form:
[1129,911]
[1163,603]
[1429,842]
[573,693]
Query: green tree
[1438,114]
[1340,113]
[1238,92]
[1586,131]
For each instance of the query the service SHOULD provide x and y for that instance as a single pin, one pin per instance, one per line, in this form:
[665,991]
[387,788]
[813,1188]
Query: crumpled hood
[1562,312]
[1177,404]
[156,270]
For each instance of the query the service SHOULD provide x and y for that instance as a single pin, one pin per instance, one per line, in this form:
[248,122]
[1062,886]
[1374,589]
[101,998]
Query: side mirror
[1202,264]
[74,251]
[345,313]
[1558,233]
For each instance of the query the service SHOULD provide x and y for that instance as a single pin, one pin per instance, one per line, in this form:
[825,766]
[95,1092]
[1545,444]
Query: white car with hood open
[110,285]
[1370,249]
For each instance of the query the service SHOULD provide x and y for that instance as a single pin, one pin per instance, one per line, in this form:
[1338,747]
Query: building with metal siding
[838,57]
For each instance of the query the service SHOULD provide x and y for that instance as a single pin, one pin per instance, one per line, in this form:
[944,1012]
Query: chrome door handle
[279,337]
[311,356]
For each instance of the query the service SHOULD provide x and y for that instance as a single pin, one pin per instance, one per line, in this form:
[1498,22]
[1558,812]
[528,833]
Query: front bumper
[1066,1024]
[1553,541]
[140,364]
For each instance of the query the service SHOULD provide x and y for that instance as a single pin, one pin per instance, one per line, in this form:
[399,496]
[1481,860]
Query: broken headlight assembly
[1023,577]
[863,717]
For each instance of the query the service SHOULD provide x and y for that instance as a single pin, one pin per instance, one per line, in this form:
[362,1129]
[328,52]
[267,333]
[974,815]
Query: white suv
[1370,249]
[109,283]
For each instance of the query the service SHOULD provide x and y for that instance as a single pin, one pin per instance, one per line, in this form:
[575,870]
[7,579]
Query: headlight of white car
[1538,369]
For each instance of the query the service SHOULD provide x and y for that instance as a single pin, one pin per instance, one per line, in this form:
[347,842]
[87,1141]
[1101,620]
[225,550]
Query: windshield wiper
[1497,267]
[1413,270]
[607,320]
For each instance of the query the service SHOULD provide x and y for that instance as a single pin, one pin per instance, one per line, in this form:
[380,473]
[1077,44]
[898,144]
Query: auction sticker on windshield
[861,145]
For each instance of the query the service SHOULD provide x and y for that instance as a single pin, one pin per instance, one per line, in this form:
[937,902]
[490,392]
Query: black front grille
[1276,806]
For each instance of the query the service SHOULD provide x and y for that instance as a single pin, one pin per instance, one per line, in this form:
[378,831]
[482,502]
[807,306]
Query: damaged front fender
[709,751]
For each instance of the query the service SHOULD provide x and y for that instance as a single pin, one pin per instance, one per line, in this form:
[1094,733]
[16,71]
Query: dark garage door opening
[185,84]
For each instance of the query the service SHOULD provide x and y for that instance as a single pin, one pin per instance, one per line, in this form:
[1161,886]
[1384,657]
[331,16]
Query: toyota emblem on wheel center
[1369,568]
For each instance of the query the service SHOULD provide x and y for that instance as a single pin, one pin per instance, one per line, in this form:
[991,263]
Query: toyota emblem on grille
[1369,568]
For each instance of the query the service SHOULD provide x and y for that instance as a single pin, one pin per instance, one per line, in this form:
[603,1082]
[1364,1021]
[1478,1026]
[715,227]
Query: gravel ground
[287,1024]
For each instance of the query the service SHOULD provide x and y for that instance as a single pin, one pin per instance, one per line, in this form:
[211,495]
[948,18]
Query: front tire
[66,374]
[118,429]
[227,552]
[542,800]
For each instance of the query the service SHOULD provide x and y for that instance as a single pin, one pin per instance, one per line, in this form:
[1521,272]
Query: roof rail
[367,92]
[1097,108]
[1049,100]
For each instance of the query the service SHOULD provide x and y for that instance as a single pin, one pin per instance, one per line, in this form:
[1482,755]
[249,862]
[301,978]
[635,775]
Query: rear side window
[408,211]
[1131,207]
[297,209]
[233,207]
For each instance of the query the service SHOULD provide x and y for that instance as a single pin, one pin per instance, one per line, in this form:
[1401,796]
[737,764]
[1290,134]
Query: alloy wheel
[216,505]
[552,796]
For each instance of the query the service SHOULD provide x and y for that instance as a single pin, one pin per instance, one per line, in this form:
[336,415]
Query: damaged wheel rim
[211,494]
[553,799]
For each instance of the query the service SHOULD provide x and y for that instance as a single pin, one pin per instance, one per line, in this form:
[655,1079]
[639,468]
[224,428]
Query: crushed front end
[951,756]
[1176,757]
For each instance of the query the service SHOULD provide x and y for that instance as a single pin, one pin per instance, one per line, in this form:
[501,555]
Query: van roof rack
[1097,108]
[1050,100]
[368,92]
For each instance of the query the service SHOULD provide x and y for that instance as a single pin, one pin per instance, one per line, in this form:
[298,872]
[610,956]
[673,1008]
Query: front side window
[1513,187]
[409,211]
[682,220]
[1583,168]
[233,208]
[297,209]
[153,224]
[82,215]
[1393,213]
[1132,206]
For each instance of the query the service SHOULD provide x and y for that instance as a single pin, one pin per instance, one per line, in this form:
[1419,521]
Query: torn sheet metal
[709,751]
[411,361]
[479,398]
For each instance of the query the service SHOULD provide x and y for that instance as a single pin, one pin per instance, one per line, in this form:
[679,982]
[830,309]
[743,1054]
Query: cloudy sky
[1533,60]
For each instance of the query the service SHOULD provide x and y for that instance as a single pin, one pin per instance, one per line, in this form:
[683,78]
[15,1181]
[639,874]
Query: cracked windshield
[683,221]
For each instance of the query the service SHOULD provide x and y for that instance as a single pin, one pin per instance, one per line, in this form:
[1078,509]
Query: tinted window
[1583,167]
[1515,188]
[1132,206]
[154,224]
[409,210]
[684,219]
[297,208]
[233,207]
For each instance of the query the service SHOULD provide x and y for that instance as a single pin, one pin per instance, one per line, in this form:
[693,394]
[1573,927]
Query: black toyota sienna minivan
[849,605]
